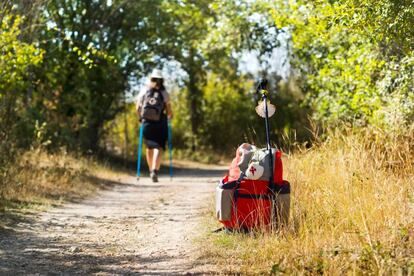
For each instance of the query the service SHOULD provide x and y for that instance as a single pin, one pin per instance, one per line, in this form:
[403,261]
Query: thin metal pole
[141,132]
[266,123]
[170,148]
[268,146]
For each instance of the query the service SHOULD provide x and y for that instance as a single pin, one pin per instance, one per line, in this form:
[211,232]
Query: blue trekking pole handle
[141,132]
[170,147]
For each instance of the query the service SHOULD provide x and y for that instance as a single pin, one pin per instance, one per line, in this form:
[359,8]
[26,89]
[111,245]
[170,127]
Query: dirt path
[145,228]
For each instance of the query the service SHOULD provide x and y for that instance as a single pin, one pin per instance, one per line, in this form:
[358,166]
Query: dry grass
[40,179]
[352,212]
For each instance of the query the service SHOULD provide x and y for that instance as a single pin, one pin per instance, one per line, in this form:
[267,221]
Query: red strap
[278,171]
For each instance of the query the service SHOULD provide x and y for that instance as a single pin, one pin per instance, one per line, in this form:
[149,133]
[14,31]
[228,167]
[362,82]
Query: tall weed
[39,178]
[352,211]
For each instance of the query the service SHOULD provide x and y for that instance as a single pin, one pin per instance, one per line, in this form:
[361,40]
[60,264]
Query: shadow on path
[44,256]
[26,247]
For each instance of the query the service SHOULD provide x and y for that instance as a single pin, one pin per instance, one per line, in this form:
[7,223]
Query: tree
[346,53]
[92,49]
[16,57]
[207,37]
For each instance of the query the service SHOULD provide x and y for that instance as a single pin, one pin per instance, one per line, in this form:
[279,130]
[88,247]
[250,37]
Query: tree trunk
[89,138]
[126,129]
[194,92]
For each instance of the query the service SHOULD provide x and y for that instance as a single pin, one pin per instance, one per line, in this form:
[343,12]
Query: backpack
[152,106]
[246,199]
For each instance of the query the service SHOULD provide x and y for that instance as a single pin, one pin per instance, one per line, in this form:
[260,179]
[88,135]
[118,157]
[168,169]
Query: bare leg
[156,162]
[150,158]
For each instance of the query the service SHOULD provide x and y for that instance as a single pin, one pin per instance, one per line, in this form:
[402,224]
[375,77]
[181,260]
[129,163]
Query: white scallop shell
[260,109]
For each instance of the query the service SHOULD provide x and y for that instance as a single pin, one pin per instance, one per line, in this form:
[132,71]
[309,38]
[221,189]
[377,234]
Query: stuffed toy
[254,162]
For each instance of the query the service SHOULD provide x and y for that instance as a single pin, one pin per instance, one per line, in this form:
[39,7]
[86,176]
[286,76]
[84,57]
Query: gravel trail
[131,228]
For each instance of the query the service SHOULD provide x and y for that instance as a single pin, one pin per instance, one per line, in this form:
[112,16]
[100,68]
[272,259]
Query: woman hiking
[154,109]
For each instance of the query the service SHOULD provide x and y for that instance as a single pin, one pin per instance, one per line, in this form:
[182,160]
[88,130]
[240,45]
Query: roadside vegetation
[42,179]
[352,185]
[352,211]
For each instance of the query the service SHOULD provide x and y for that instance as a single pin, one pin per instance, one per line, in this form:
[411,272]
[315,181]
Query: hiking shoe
[154,176]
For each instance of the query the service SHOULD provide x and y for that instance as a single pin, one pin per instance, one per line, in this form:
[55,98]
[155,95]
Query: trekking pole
[170,148]
[141,132]
[262,89]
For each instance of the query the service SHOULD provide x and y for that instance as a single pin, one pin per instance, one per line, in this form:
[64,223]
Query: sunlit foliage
[355,58]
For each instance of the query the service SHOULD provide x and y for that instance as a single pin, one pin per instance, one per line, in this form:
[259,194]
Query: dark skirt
[156,133]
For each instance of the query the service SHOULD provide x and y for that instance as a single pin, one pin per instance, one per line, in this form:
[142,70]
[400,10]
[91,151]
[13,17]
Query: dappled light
[118,119]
